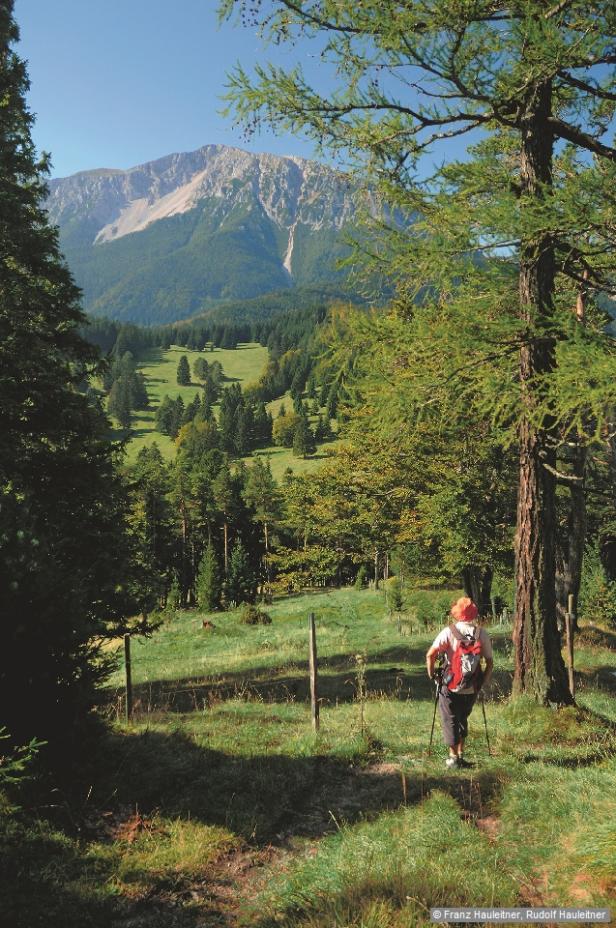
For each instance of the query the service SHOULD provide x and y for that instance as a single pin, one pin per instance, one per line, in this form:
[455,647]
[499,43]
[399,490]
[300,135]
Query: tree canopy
[501,242]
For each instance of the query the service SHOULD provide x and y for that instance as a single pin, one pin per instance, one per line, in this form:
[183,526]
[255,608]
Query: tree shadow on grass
[603,678]
[191,694]
[263,798]
[267,800]
[596,637]
[589,759]
[291,683]
[47,880]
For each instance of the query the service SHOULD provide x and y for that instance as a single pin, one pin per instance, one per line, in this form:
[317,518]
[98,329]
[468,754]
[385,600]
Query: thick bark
[478,586]
[608,540]
[539,666]
[570,546]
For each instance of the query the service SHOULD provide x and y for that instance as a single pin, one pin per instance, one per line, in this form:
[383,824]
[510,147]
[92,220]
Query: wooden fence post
[569,631]
[314,695]
[128,678]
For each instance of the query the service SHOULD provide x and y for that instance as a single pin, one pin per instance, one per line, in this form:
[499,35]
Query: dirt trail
[219,899]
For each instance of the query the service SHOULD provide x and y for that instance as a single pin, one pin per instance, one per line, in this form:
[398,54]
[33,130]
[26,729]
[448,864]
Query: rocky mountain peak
[193,227]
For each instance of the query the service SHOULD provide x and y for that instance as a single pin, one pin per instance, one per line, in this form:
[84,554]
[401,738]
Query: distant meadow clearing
[242,365]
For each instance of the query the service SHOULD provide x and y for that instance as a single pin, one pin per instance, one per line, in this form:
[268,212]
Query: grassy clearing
[350,623]
[241,365]
[218,806]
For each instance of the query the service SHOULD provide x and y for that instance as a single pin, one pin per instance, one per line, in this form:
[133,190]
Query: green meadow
[218,805]
[242,365]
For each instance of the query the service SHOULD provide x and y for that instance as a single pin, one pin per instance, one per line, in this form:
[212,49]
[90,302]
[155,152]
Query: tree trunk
[477,582]
[185,578]
[608,539]
[539,666]
[266,557]
[376,570]
[226,544]
[570,548]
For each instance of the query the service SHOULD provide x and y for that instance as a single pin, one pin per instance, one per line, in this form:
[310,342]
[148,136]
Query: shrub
[432,609]
[395,599]
[252,615]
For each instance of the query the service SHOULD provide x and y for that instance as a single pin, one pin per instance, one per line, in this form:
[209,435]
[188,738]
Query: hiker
[463,645]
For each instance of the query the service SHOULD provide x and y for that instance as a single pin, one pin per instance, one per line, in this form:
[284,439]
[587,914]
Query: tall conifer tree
[183,371]
[537,79]
[63,554]
[208,581]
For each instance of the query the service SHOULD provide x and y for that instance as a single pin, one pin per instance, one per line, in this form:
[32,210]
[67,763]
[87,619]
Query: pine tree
[210,390]
[303,439]
[244,434]
[228,338]
[191,410]
[119,402]
[139,391]
[176,418]
[262,425]
[200,369]
[322,430]
[262,495]
[164,417]
[208,581]
[240,584]
[226,499]
[331,408]
[183,372]
[151,524]
[64,552]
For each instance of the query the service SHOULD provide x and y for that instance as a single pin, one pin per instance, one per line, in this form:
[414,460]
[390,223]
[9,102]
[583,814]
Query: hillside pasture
[242,365]
[219,806]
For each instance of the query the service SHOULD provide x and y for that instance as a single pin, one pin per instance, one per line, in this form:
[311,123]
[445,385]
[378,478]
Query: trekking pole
[485,722]
[437,676]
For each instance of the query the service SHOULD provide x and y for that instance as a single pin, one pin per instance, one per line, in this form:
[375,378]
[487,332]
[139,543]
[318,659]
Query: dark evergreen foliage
[208,581]
[240,585]
[64,553]
[183,372]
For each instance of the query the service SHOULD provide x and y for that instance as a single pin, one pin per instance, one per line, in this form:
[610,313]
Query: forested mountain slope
[168,239]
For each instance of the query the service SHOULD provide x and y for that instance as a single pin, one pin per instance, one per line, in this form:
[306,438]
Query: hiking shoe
[452,763]
[464,763]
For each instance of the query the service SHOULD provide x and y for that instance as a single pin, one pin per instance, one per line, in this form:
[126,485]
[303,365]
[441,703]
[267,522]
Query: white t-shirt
[448,641]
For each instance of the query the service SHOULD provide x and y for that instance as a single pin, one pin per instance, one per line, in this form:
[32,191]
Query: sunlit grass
[362,825]
[242,365]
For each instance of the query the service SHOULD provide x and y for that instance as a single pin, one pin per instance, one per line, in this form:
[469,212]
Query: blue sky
[120,82]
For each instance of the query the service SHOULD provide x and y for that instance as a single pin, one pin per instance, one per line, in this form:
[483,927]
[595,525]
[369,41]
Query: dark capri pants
[455,709]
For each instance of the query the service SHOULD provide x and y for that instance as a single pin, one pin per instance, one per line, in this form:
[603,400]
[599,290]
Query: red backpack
[463,670]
